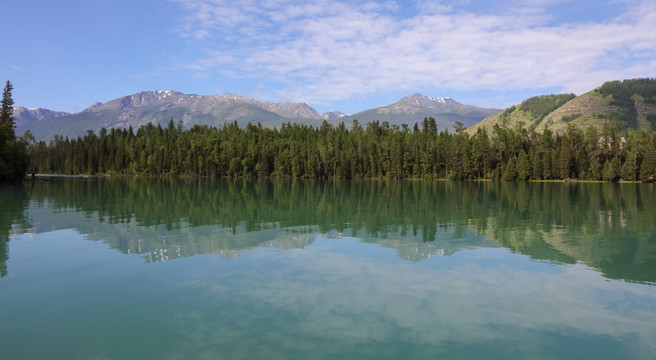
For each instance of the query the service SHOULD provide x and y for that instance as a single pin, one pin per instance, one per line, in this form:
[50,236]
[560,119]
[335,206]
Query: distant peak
[161,94]
[415,96]
[332,115]
[419,97]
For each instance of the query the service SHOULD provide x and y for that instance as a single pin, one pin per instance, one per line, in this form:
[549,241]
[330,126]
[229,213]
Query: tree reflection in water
[607,226]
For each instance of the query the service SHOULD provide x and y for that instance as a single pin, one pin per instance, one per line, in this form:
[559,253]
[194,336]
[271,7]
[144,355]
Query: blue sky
[333,55]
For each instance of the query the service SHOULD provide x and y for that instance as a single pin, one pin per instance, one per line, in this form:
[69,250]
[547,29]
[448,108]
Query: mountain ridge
[414,108]
[37,114]
[160,106]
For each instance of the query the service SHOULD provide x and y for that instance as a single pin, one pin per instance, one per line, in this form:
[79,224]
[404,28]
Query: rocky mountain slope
[162,106]
[24,115]
[414,108]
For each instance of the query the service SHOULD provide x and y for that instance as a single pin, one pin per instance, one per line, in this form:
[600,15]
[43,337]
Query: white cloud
[329,290]
[330,50]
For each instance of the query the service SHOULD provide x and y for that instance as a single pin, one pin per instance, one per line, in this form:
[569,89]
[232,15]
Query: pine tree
[611,170]
[13,153]
[510,170]
[648,166]
[523,167]
[608,173]
[6,119]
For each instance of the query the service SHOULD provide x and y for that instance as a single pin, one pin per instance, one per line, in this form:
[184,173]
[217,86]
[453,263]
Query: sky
[333,55]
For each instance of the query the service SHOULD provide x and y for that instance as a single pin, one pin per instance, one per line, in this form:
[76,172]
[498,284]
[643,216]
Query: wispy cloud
[332,50]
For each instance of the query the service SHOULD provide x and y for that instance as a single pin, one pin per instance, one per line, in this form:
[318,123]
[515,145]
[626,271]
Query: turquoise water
[217,269]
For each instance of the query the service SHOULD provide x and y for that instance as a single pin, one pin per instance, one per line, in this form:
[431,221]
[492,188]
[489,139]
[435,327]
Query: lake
[134,268]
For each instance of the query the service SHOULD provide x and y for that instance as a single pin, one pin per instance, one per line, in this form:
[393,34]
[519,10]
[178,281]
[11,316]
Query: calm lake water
[96,268]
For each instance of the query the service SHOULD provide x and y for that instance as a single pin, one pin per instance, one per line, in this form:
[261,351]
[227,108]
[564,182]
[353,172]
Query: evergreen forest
[609,152]
[376,150]
[626,95]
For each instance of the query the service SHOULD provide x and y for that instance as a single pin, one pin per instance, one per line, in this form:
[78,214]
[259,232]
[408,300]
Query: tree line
[376,150]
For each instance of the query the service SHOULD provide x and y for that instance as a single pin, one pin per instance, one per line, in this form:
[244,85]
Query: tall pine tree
[13,153]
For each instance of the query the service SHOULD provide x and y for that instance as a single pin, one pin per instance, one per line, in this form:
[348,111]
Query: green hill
[631,102]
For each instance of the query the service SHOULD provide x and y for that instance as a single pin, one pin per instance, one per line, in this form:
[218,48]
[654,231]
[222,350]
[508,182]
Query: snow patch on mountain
[443,100]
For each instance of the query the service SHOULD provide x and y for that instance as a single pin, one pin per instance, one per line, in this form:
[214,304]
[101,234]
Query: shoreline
[43,177]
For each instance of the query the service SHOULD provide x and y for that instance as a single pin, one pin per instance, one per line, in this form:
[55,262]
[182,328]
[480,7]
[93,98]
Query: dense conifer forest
[609,152]
[376,150]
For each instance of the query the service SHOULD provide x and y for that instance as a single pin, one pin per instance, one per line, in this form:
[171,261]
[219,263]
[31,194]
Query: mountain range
[632,102]
[215,110]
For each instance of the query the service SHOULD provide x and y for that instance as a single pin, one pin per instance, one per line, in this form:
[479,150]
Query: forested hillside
[631,97]
[376,150]
[529,114]
[632,103]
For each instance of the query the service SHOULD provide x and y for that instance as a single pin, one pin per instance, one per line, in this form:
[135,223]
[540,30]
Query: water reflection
[13,200]
[607,226]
